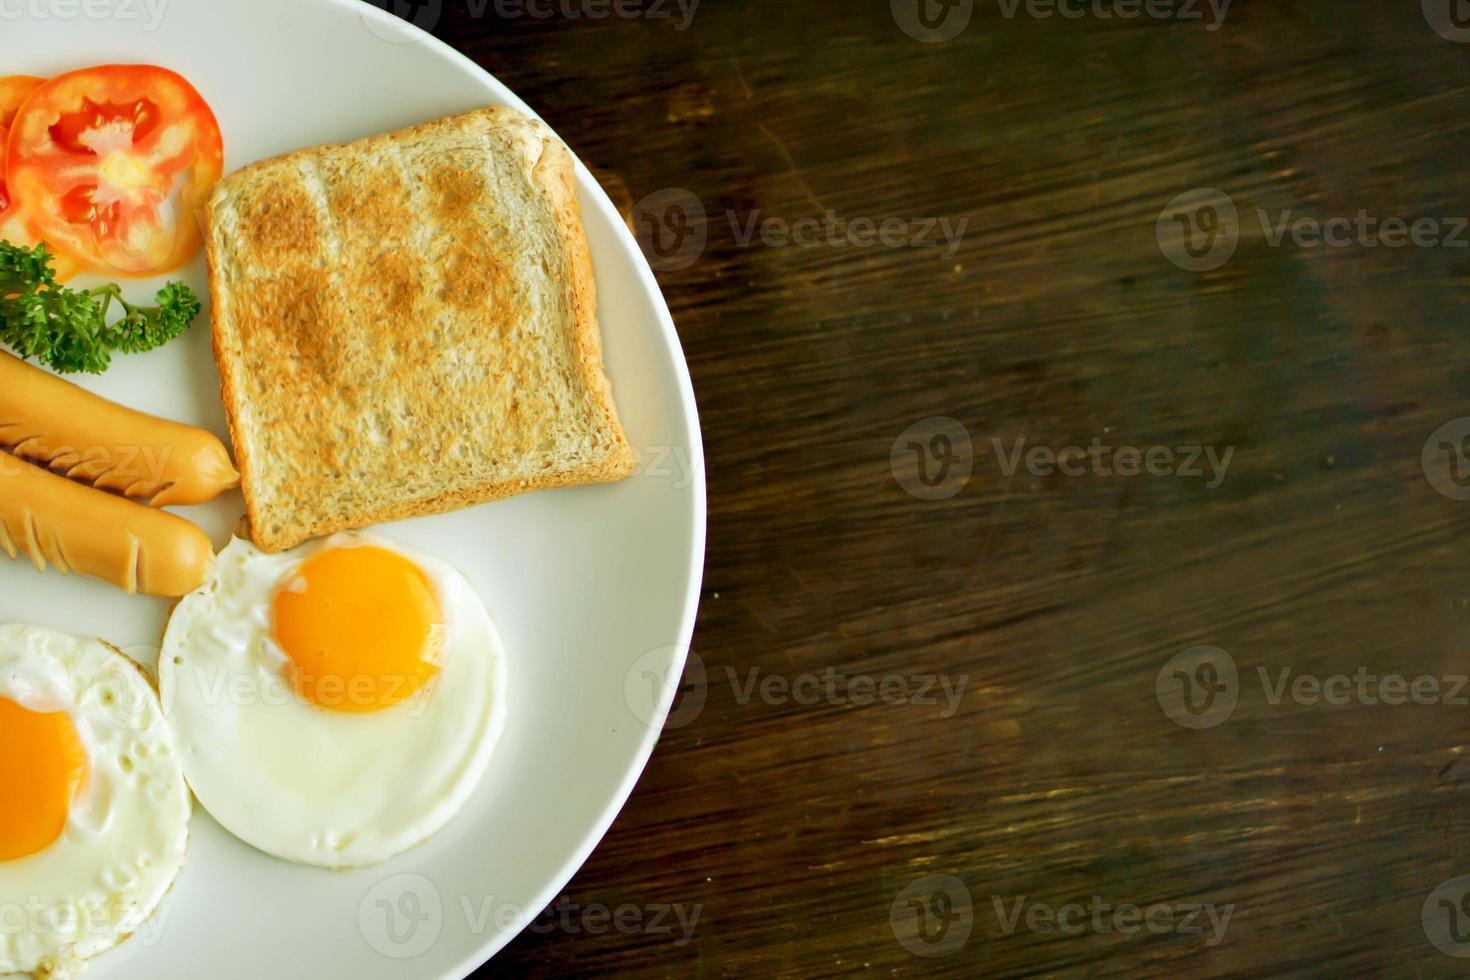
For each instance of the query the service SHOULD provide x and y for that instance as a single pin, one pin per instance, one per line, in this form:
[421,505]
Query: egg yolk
[361,627]
[41,765]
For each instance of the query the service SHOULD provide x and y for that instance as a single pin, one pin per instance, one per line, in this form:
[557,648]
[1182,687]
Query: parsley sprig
[68,329]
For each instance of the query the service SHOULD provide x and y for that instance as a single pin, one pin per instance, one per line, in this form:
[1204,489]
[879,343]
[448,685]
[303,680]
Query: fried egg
[335,704]
[94,813]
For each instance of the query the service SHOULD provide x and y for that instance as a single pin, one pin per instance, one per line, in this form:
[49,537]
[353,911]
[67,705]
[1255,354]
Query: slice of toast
[406,325]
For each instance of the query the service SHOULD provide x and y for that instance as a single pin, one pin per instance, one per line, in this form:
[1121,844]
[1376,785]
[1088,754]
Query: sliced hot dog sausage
[55,521]
[72,431]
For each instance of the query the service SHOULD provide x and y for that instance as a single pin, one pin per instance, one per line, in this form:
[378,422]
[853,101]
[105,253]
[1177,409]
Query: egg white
[304,783]
[127,829]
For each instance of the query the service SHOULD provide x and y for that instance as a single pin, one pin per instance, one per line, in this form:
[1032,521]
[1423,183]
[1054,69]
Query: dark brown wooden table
[1174,747]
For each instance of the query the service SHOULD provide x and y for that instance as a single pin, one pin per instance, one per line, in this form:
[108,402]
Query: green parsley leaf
[68,329]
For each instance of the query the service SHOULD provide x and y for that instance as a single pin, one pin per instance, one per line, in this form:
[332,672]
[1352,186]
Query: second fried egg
[334,704]
[94,814]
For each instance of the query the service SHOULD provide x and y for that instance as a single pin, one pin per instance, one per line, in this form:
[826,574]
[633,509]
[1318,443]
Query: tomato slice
[4,193]
[114,165]
[14,89]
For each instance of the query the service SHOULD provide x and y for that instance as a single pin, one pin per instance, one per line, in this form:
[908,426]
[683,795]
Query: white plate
[594,588]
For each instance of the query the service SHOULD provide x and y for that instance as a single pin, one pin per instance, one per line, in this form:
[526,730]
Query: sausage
[53,520]
[86,437]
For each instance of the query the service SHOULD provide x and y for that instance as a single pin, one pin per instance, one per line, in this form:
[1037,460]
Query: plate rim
[591,193]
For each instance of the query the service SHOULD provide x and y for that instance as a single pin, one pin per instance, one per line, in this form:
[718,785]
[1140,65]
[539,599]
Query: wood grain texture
[1056,599]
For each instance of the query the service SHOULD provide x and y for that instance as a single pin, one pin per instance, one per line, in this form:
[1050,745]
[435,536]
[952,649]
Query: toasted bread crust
[406,325]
